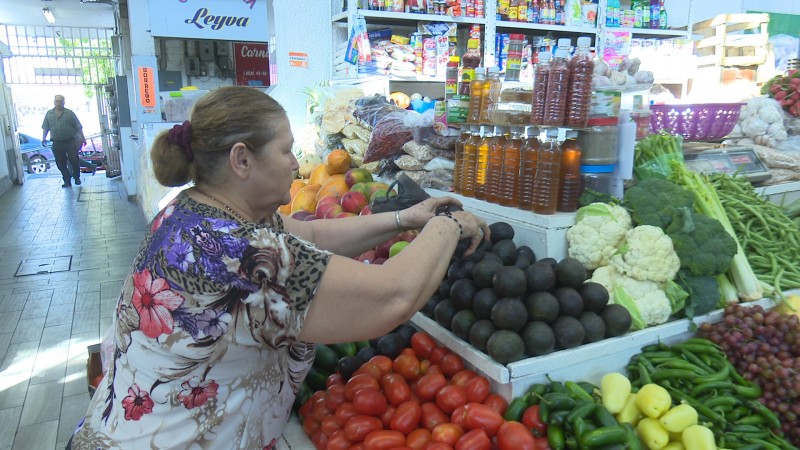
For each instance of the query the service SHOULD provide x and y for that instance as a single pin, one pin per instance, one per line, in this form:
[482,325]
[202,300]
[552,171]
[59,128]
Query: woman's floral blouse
[206,353]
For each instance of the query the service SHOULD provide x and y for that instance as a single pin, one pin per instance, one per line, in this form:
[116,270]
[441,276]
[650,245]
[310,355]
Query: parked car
[35,156]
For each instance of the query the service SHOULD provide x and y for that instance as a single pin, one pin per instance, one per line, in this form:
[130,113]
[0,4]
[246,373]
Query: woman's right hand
[473,228]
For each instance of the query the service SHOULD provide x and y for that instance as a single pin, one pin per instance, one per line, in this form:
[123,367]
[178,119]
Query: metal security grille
[58,55]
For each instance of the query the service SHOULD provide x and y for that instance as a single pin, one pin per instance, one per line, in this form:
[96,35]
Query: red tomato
[384,440]
[434,368]
[437,354]
[383,362]
[423,366]
[310,426]
[404,447]
[418,438]
[438,446]
[462,377]
[477,389]
[330,425]
[429,385]
[338,441]
[533,421]
[369,401]
[359,446]
[320,410]
[371,369]
[386,418]
[514,436]
[335,396]
[320,440]
[432,416]
[406,418]
[422,344]
[478,416]
[407,366]
[449,433]
[541,443]
[305,409]
[334,378]
[358,427]
[408,351]
[395,388]
[450,397]
[458,417]
[359,382]
[451,364]
[497,403]
[345,411]
[474,440]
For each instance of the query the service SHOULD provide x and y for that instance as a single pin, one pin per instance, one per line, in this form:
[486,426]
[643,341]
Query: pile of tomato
[424,399]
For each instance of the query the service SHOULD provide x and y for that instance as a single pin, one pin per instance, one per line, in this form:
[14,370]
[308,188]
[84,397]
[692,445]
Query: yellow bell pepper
[698,437]
[614,388]
[653,435]
[679,418]
[653,400]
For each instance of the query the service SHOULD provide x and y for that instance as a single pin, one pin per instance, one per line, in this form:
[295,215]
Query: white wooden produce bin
[546,235]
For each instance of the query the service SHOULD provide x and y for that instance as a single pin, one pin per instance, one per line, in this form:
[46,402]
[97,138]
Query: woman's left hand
[418,215]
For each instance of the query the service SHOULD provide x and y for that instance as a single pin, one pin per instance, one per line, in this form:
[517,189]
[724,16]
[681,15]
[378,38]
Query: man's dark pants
[65,151]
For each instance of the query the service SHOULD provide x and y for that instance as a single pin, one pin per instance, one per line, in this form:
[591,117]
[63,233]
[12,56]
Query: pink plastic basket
[699,122]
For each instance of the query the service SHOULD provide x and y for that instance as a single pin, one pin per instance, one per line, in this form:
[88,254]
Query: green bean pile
[770,239]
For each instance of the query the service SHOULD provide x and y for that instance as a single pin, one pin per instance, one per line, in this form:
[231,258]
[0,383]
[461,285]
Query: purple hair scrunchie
[181,135]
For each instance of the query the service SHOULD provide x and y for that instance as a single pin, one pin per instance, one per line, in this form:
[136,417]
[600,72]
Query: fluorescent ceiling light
[48,15]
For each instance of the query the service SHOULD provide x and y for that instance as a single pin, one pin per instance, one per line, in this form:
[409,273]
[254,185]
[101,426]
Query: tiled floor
[83,240]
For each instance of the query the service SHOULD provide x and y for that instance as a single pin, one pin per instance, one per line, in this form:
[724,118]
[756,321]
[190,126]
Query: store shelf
[394,17]
[545,27]
[648,32]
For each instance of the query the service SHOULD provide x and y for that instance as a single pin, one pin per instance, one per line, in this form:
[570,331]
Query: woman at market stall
[215,326]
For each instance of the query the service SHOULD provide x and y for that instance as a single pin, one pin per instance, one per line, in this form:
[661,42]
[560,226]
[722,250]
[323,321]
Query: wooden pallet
[732,40]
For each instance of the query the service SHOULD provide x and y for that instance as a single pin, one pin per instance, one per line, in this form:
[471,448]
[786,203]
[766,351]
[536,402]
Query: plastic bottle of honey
[540,78]
[548,175]
[509,176]
[571,180]
[476,96]
[459,158]
[579,98]
[527,169]
[482,162]
[491,95]
[557,89]
[469,162]
[494,168]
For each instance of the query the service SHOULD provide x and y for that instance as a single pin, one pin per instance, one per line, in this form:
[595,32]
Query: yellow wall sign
[147,88]
[298,59]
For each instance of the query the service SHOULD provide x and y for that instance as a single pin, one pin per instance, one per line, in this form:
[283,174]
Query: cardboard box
[94,366]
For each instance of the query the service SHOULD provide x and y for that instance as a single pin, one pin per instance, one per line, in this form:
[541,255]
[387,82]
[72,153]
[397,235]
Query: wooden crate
[731,40]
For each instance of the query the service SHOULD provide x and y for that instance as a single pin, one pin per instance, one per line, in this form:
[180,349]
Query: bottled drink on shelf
[509,174]
[548,175]
[459,158]
[662,16]
[491,95]
[638,17]
[558,7]
[581,68]
[469,61]
[527,169]
[541,76]
[557,90]
[482,161]
[470,161]
[534,13]
[476,96]
[494,169]
[612,13]
[655,15]
[645,13]
[570,187]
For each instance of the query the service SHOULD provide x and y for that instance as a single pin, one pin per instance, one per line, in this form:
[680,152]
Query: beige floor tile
[9,419]
[73,409]
[42,403]
[36,436]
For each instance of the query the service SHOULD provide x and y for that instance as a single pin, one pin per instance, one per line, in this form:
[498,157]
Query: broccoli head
[701,242]
[653,200]
[703,294]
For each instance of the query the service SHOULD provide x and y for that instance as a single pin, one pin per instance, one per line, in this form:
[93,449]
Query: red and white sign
[251,60]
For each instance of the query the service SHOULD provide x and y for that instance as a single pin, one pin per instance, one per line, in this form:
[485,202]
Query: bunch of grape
[765,348]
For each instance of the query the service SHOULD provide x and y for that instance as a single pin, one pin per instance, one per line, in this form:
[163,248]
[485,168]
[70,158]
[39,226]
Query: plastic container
[642,119]
[469,61]
[579,99]
[494,170]
[557,90]
[459,158]
[599,145]
[570,186]
[482,161]
[476,100]
[509,175]
[548,175]
[541,76]
[451,77]
[491,95]
[527,169]
[470,161]
[698,122]
[516,45]
[598,178]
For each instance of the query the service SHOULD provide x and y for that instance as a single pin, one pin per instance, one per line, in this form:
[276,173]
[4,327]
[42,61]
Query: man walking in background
[66,132]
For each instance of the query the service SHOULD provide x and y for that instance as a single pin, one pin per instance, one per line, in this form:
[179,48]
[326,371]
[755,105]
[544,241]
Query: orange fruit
[338,161]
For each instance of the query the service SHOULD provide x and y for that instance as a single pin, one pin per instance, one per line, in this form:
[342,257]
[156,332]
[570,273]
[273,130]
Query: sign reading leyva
[239,20]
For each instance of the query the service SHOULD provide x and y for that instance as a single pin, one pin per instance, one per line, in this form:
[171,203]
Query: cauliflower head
[647,255]
[645,300]
[599,229]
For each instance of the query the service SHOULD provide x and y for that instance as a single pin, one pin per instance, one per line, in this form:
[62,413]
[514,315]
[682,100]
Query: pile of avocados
[505,303]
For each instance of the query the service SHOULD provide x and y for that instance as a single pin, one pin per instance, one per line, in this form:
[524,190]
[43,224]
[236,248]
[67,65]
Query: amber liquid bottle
[557,90]
[570,187]
[469,163]
[459,158]
[540,79]
[482,162]
[548,175]
[581,68]
[476,96]
[491,95]
[527,169]
[509,176]
[494,169]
